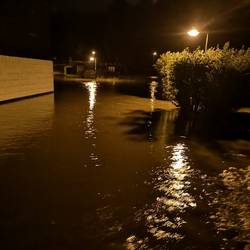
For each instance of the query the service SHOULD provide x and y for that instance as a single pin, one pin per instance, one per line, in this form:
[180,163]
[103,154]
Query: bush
[211,80]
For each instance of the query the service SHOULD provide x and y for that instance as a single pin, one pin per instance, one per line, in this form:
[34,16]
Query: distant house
[78,67]
[85,69]
[73,67]
[110,69]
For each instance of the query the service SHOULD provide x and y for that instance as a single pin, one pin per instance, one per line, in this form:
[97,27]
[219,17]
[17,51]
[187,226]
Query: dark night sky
[121,31]
[90,5]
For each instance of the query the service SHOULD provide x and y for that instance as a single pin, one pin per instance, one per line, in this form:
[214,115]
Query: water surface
[107,166]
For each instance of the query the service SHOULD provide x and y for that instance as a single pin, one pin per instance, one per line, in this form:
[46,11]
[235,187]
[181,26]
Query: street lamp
[94,55]
[154,55]
[194,32]
[93,59]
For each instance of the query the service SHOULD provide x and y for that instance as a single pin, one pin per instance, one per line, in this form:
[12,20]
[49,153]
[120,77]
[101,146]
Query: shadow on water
[203,127]
[142,125]
[215,126]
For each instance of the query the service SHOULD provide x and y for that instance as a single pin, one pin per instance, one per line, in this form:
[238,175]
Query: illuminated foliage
[200,80]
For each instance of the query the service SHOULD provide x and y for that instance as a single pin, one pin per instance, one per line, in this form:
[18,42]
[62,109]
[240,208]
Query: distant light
[155,53]
[193,32]
[92,59]
[93,52]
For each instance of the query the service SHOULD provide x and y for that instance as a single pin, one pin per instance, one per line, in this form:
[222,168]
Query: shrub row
[216,79]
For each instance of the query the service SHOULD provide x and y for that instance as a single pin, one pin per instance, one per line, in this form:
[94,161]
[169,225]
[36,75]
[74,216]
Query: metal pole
[154,56]
[206,44]
[95,66]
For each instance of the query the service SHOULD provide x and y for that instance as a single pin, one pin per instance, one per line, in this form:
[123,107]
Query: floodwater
[107,166]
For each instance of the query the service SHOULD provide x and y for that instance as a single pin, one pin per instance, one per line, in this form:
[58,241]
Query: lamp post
[206,44]
[194,32]
[92,58]
[154,55]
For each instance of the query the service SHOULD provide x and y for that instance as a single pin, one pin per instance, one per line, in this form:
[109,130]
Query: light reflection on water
[153,91]
[90,122]
[172,183]
[164,218]
[92,87]
[231,207]
[176,181]
[90,127]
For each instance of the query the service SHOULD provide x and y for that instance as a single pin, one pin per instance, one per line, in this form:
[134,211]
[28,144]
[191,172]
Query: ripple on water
[231,208]
[164,217]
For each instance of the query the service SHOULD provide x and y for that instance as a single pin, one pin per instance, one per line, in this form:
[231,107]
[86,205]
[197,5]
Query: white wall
[22,77]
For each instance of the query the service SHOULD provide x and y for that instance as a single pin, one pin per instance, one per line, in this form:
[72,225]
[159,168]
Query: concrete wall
[22,77]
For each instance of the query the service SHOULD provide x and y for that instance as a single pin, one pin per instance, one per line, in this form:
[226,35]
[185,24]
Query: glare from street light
[193,32]
[92,59]
[93,52]
[155,53]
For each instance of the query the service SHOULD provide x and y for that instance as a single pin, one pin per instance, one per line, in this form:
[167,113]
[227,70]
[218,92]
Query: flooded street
[108,166]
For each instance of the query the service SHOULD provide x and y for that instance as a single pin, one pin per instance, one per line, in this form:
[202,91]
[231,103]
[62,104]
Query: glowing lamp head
[155,53]
[92,59]
[93,52]
[193,32]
